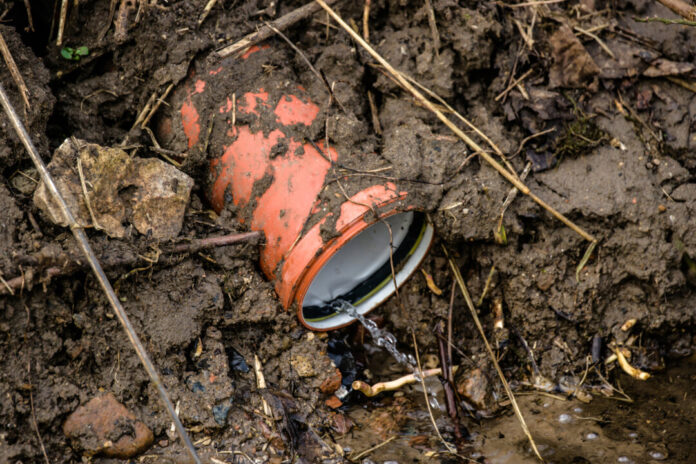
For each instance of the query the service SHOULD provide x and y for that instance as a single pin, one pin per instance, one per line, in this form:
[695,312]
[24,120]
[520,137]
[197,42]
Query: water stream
[381,337]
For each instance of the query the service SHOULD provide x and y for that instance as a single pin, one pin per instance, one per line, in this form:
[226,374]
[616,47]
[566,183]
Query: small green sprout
[74,54]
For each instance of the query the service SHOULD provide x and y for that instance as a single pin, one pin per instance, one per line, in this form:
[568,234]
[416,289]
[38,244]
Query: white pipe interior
[359,259]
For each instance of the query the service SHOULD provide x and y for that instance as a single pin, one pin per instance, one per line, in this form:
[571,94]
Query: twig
[432,24]
[684,22]
[524,4]
[680,7]
[380,387]
[419,96]
[82,241]
[531,137]
[14,71]
[470,304]
[34,423]
[36,428]
[681,82]
[449,447]
[487,285]
[265,32]
[320,75]
[366,20]
[9,289]
[369,450]
[448,386]
[30,18]
[156,106]
[261,385]
[83,183]
[208,6]
[598,40]
[512,194]
[513,84]
[61,22]
[63,269]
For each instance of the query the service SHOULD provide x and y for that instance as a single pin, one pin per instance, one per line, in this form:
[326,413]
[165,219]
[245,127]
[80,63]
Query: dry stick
[512,195]
[30,18]
[265,32]
[470,304]
[513,84]
[366,20]
[61,21]
[449,447]
[82,241]
[432,24]
[369,450]
[428,104]
[594,36]
[683,22]
[156,106]
[680,7]
[209,6]
[16,75]
[20,282]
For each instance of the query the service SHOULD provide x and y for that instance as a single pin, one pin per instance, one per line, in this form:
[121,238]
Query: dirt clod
[105,426]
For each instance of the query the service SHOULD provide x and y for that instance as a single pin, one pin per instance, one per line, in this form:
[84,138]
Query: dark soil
[616,156]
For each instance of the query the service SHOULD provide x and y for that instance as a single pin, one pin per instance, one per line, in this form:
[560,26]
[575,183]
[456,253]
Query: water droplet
[658,455]
[591,436]
[564,418]
[633,435]
[624,460]
[577,410]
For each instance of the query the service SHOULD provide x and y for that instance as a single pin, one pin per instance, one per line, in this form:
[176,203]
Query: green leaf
[82,51]
[67,53]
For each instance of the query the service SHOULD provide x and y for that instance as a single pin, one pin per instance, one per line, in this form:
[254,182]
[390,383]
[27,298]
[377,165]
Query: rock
[146,192]
[105,426]
[332,382]
[473,386]
[302,365]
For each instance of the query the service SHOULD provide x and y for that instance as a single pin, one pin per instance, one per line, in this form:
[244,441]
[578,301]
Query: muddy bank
[609,139]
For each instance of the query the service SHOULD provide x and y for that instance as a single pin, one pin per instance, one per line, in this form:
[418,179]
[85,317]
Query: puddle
[656,427]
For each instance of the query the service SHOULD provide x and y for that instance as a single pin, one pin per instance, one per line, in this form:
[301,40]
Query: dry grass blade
[265,32]
[86,249]
[430,106]
[61,21]
[14,71]
[421,375]
[474,315]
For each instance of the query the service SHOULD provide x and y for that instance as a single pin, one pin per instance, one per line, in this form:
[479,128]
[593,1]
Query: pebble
[591,436]
[624,460]
[103,425]
[564,418]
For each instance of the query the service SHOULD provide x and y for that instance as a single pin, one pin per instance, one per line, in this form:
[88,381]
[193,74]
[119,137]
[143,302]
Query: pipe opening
[360,272]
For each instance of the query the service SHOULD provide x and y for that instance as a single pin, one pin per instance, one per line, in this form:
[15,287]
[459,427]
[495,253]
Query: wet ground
[637,426]
[600,106]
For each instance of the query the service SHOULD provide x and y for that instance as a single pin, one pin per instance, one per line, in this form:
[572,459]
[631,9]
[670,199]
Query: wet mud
[609,141]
